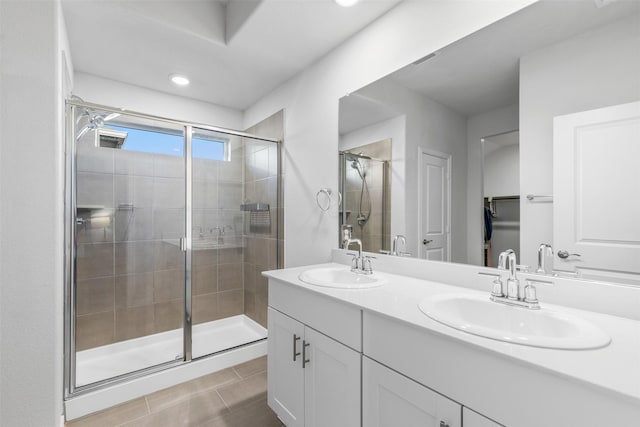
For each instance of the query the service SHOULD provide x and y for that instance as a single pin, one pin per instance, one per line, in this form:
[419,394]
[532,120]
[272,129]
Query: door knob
[565,254]
[426,242]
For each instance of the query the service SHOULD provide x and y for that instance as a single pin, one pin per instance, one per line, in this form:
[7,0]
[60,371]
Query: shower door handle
[295,345]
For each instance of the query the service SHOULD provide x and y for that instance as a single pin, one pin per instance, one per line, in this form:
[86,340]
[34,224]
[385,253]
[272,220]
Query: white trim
[449,160]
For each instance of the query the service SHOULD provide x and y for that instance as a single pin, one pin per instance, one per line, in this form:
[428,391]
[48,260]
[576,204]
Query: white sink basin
[341,277]
[538,328]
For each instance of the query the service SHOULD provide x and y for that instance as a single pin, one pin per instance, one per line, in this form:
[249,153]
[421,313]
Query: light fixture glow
[179,80]
[346,3]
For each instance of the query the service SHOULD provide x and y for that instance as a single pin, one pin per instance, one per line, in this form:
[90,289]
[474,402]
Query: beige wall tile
[94,260]
[134,322]
[94,330]
[94,295]
[230,303]
[168,223]
[204,279]
[167,255]
[133,190]
[168,193]
[204,257]
[133,290]
[168,285]
[231,255]
[133,257]
[205,308]
[97,226]
[169,315]
[94,159]
[230,276]
[205,194]
[132,224]
[94,189]
[133,163]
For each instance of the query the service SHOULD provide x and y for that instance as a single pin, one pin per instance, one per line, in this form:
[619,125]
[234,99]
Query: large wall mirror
[474,162]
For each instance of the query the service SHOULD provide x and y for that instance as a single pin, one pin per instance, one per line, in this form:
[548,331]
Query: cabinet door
[332,382]
[286,376]
[473,419]
[391,399]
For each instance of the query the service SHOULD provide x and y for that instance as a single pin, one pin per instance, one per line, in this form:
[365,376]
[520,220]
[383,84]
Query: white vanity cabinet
[473,419]
[390,399]
[313,380]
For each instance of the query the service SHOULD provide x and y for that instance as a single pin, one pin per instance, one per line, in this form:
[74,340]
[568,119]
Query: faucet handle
[354,261]
[498,287]
[366,265]
[530,293]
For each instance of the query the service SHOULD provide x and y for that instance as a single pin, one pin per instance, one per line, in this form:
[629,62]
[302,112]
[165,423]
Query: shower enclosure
[364,185]
[169,225]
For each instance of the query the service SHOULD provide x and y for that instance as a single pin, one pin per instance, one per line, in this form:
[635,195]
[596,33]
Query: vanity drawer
[340,321]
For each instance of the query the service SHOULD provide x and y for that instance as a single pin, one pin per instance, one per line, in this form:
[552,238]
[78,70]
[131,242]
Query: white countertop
[615,368]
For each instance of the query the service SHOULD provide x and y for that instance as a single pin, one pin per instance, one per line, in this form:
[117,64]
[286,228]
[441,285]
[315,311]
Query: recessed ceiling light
[346,3]
[179,80]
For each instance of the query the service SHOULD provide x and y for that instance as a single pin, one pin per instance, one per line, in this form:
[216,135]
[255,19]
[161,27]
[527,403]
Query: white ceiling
[234,51]
[480,72]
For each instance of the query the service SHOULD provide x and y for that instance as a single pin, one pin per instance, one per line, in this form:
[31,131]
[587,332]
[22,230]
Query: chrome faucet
[359,263]
[347,229]
[513,296]
[545,258]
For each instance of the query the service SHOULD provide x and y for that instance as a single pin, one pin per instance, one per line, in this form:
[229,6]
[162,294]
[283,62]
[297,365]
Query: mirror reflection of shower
[364,184]
[364,203]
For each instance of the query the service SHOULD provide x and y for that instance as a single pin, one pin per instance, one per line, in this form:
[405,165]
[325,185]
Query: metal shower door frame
[72,105]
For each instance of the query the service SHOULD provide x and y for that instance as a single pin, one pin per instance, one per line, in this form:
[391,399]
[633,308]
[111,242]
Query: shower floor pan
[112,360]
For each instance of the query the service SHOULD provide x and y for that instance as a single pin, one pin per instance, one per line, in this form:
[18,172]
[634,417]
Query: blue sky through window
[172,145]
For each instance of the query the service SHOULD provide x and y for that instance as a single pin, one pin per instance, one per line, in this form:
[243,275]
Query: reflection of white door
[596,187]
[434,192]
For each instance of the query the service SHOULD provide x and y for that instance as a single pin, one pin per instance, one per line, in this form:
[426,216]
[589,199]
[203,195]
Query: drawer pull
[296,353]
[305,361]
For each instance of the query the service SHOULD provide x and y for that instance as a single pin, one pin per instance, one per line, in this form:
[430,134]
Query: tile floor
[233,397]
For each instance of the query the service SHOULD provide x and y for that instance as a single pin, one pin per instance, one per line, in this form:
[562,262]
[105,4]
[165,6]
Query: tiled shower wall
[264,243]
[130,269]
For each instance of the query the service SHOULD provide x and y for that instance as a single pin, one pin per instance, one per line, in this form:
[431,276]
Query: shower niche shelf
[255,207]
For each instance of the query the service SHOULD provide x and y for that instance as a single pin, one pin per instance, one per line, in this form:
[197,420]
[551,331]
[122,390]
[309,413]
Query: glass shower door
[222,243]
[129,294]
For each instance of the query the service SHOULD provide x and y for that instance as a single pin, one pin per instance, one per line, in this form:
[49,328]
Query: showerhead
[95,120]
